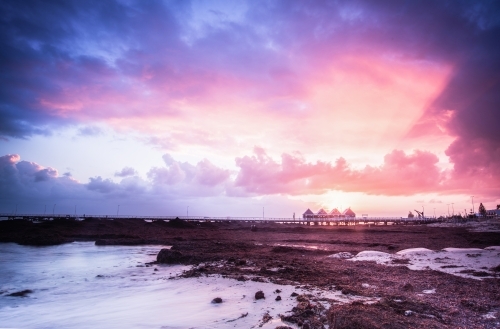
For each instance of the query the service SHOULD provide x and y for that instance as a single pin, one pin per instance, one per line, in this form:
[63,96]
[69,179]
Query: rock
[277,291]
[167,256]
[259,295]
[294,294]
[21,293]
[120,242]
[278,298]
[302,298]
[180,223]
[283,327]
[241,278]
[217,300]
[266,318]
[44,240]
[258,279]
[156,269]
[407,287]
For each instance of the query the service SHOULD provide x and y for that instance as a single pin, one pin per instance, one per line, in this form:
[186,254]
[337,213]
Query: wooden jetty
[335,221]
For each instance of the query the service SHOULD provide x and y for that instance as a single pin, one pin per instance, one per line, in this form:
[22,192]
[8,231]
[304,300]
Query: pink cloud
[475,165]
[400,174]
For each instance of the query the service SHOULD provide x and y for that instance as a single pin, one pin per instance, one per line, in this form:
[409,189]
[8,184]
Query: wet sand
[298,255]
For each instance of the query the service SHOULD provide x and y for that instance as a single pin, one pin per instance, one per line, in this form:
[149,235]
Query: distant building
[334,213]
[321,213]
[308,214]
[493,213]
[348,213]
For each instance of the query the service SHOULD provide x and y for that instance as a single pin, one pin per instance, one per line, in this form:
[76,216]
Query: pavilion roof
[335,211]
[321,212]
[348,212]
[308,212]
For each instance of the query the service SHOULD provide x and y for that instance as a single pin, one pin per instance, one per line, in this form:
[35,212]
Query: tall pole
[473,211]
[423,210]
[453,209]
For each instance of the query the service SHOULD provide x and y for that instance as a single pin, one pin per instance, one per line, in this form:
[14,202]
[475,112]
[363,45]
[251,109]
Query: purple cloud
[125,172]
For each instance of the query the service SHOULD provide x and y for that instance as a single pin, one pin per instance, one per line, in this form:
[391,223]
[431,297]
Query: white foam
[373,256]
[457,261]
[490,315]
[341,255]
[417,251]
[463,250]
[81,285]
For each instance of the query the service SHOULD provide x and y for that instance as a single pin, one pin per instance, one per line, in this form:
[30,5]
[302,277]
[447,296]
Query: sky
[245,108]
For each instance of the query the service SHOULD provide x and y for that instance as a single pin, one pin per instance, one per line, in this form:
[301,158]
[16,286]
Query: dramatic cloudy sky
[229,107]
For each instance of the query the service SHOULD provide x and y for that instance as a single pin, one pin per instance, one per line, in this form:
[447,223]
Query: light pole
[54,209]
[423,210]
[472,197]
[452,209]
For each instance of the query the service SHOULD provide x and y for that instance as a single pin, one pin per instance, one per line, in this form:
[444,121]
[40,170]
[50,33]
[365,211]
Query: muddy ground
[297,255]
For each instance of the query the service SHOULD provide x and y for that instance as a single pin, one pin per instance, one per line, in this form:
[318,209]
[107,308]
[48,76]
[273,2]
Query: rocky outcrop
[44,240]
[259,295]
[167,256]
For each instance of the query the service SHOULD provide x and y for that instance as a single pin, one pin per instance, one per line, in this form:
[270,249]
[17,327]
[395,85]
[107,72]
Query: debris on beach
[217,300]
[21,293]
[342,255]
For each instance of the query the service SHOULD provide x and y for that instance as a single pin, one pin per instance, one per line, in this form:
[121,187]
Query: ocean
[81,285]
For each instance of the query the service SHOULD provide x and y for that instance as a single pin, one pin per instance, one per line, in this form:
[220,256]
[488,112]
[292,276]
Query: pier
[335,221]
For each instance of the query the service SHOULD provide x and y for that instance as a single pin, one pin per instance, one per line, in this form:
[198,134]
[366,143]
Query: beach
[327,276]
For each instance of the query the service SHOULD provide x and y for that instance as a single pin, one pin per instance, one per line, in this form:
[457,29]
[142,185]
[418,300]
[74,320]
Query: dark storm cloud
[58,57]
[49,48]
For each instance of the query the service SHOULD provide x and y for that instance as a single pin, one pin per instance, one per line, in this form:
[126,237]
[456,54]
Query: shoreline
[298,256]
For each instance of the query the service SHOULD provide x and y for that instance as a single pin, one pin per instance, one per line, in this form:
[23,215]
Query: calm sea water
[80,285]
